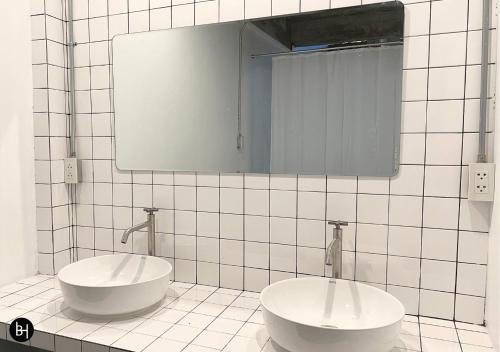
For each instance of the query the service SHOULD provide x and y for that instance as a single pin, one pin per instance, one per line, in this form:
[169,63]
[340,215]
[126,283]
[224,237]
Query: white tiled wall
[415,235]
[54,210]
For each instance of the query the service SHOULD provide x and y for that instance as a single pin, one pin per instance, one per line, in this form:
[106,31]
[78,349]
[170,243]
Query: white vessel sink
[324,315]
[114,284]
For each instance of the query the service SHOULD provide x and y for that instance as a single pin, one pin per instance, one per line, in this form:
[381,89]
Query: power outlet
[72,170]
[481,182]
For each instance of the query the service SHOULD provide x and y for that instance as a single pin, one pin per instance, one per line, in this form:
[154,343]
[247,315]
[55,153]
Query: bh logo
[21,329]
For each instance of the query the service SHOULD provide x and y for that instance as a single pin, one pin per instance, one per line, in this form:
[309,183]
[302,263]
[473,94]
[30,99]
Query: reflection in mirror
[316,93]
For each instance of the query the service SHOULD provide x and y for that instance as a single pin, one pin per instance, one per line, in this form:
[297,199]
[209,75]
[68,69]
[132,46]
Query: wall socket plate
[482,182]
[72,170]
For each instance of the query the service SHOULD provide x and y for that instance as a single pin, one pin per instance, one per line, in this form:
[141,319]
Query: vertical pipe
[484,82]
[71,65]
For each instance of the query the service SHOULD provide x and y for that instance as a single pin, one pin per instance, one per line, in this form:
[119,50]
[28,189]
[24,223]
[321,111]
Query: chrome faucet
[150,224]
[333,255]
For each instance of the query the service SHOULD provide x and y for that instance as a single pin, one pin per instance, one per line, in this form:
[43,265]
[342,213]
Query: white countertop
[194,318]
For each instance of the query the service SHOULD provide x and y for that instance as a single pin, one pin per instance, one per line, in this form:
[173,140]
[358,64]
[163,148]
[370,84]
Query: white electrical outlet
[72,170]
[481,182]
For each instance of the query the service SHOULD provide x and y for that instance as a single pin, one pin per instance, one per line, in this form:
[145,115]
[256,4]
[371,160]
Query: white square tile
[444,149]
[232,10]
[283,230]
[185,247]
[311,233]
[445,116]
[417,19]
[257,8]
[311,183]
[446,83]
[372,238]
[373,208]
[341,207]
[183,15]
[416,51]
[403,271]
[160,18]
[438,275]
[474,216]
[473,247]
[133,341]
[405,210]
[311,205]
[231,277]
[342,184]
[283,182]
[310,261]
[447,49]
[255,280]
[256,202]
[314,5]
[206,12]
[231,226]
[160,345]
[231,252]
[207,249]
[228,326]
[371,267]
[256,255]
[283,257]
[437,304]
[408,296]
[283,203]
[182,333]
[256,228]
[438,332]
[441,212]
[439,244]
[281,7]
[185,270]
[207,199]
[449,16]
[409,180]
[185,197]
[212,339]
[207,224]
[471,309]
[199,321]
[231,200]
[471,279]
[442,181]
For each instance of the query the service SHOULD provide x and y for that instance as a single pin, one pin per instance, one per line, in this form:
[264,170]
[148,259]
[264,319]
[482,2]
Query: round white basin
[323,315]
[114,284]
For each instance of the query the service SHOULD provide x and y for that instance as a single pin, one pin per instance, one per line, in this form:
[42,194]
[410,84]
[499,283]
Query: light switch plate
[482,182]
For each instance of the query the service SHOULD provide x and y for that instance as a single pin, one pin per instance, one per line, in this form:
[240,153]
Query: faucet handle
[150,210]
[338,223]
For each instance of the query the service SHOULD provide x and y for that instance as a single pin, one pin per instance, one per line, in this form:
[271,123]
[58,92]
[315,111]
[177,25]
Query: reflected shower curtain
[337,112]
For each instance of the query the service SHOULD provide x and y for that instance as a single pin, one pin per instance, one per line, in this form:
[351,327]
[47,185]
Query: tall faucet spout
[334,250]
[128,231]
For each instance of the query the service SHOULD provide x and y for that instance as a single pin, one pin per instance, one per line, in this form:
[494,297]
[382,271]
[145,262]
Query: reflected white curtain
[337,112]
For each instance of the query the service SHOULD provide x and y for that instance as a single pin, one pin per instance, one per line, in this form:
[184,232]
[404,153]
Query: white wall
[492,302]
[17,179]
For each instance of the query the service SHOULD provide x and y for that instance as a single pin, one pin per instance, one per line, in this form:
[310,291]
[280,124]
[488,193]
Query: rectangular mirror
[315,93]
